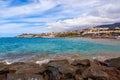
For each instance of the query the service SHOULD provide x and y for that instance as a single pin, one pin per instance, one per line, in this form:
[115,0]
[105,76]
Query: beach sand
[102,41]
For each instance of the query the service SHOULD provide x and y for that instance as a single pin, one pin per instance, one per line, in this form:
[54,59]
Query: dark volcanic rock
[24,77]
[99,72]
[81,65]
[84,62]
[113,73]
[3,71]
[62,70]
[95,72]
[31,70]
[57,63]
[62,65]
[100,63]
[3,68]
[115,62]
[17,66]
[3,77]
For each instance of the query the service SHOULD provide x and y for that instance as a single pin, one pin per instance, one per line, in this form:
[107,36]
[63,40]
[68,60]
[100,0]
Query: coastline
[72,66]
[47,57]
[100,55]
[101,40]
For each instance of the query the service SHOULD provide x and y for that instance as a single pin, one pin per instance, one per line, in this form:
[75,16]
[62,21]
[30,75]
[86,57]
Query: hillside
[110,25]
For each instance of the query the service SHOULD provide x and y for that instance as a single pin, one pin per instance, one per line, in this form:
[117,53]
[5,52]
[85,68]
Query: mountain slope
[110,25]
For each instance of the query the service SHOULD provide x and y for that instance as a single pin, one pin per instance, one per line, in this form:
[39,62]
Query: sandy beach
[102,41]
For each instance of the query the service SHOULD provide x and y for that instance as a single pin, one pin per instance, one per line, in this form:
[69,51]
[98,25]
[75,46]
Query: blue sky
[38,16]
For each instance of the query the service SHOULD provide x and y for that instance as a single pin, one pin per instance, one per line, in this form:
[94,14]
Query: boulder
[99,62]
[3,77]
[115,62]
[78,77]
[24,77]
[79,62]
[95,73]
[21,66]
[57,63]
[113,73]
[81,65]
[3,71]
[31,70]
[99,72]
[3,68]
[53,73]
[60,69]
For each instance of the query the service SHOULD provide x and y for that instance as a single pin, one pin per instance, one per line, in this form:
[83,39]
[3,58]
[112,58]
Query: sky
[41,16]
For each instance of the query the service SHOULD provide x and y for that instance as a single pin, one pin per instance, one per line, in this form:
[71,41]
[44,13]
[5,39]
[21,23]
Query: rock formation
[62,70]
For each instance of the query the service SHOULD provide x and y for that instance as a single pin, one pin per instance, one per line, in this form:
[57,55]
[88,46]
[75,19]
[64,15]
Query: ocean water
[26,47]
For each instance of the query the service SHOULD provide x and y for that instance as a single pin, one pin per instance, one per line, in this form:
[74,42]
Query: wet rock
[99,62]
[81,65]
[66,68]
[16,77]
[95,72]
[62,66]
[84,62]
[57,63]
[60,69]
[99,72]
[3,77]
[3,68]
[24,77]
[90,79]
[78,77]
[113,73]
[21,65]
[2,65]
[3,71]
[53,73]
[31,70]
[33,77]
[115,62]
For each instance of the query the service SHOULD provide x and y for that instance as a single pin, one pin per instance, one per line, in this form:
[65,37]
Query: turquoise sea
[26,47]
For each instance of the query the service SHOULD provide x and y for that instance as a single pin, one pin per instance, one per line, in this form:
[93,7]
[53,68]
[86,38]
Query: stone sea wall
[64,69]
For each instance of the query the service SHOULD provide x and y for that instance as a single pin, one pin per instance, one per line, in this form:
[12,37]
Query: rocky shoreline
[62,69]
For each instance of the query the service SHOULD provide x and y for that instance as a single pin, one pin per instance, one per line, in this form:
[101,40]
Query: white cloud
[61,15]
[84,20]
[97,12]
[21,28]
[33,8]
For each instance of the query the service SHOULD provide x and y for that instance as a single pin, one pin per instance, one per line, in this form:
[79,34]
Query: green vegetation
[69,34]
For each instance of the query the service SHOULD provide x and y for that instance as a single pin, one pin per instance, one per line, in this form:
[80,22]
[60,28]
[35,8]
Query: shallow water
[20,48]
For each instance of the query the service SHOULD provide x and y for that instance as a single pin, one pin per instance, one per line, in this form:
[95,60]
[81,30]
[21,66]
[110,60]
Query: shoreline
[97,54]
[48,57]
[101,40]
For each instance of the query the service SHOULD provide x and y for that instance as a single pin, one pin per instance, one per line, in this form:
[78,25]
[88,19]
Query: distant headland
[102,31]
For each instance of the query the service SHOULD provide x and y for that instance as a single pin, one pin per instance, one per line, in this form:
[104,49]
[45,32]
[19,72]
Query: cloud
[98,13]
[31,8]
[34,16]
[84,20]
[22,28]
